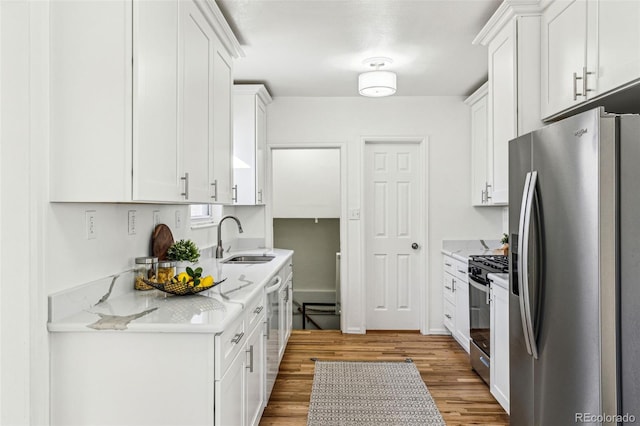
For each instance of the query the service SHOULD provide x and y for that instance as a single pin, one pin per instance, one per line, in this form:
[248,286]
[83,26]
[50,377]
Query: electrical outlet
[132,222]
[156,218]
[90,221]
[178,219]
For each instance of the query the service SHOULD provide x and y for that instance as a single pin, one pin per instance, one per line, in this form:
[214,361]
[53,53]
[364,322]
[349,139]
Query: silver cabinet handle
[258,310]
[486,191]
[585,84]
[236,339]
[453,284]
[250,352]
[234,193]
[260,196]
[185,178]
[448,264]
[462,272]
[585,90]
[482,200]
[415,246]
[215,190]
[448,288]
[447,315]
[575,86]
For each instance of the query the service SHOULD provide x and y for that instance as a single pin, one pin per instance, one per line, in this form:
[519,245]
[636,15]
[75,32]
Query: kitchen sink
[249,259]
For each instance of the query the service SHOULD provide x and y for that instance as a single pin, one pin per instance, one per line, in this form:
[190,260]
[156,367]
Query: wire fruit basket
[180,288]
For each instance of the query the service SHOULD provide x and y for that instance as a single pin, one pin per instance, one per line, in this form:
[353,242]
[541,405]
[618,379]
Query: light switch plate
[178,219]
[132,222]
[91,226]
[354,214]
[156,218]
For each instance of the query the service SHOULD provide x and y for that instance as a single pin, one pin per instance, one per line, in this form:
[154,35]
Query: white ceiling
[316,47]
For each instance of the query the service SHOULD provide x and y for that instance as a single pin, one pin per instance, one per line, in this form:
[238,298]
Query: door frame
[423,148]
[344,258]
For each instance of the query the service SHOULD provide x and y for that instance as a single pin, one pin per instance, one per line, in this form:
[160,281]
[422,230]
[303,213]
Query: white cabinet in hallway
[249,143]
[140,102]
[589,48]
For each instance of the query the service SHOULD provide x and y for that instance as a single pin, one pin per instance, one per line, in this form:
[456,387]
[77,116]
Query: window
[205,214]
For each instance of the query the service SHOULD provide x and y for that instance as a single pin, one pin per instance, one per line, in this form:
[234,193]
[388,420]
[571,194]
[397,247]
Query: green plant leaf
[190,271]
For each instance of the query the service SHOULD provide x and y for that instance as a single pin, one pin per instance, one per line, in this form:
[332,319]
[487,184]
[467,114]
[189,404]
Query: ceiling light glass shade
[377,83]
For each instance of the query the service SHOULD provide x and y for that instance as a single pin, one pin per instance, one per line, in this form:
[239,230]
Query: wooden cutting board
[161,240]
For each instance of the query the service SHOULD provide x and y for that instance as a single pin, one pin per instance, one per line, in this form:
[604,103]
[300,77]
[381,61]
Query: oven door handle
[483,288]
[475,280]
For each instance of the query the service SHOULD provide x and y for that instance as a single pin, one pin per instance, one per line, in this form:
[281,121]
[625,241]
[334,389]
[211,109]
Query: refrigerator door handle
[525,263]
[523,242]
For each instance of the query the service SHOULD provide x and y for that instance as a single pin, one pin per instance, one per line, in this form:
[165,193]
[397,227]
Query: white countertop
[500,279]
[125,309]
[462,249]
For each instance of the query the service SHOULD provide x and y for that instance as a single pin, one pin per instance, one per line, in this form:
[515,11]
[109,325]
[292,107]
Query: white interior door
[393,229]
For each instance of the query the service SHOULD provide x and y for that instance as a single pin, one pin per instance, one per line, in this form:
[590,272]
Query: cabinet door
[462,313]
[230,396]
[244,148]
[564,47]
[617,44]
[479,149]
[223,127]
[284,302]
[90,101]
[196,87]
[502,111]
[261,150]
[156,150]
[255,375]
[500,345]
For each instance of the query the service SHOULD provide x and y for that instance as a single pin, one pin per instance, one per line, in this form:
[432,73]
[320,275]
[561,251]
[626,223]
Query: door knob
[415,246]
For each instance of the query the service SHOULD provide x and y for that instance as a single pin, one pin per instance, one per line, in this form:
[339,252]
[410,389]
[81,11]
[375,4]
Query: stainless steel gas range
[480,309]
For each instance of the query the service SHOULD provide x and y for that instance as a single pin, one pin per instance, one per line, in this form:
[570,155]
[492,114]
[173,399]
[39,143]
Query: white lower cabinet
[500,345]
[239,387]
[456,299]
[285,300]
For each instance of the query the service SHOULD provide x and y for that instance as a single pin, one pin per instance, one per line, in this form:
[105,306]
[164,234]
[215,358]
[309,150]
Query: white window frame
[204,215]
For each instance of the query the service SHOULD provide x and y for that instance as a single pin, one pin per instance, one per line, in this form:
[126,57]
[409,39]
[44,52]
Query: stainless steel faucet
[219,248]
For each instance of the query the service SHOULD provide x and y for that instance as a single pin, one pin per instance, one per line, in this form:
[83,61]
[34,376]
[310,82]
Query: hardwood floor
[461,396]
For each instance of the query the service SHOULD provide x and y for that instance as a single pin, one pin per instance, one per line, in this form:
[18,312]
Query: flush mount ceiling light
[377,83]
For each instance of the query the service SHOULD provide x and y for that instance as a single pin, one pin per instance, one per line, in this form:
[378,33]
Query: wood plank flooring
[461,396]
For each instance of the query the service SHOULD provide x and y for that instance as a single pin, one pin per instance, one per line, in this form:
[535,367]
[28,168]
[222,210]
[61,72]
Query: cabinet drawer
[449,316]
[449,287]
[228,344]
[448,265]
[256,310]
[462,269]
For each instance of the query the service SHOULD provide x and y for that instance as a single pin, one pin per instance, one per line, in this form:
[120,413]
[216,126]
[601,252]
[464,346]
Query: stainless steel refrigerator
[574,303]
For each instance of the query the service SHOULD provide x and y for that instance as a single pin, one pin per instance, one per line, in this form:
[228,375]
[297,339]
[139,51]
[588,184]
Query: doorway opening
[306,212]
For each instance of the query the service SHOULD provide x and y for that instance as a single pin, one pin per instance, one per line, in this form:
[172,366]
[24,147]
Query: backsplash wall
[72,259]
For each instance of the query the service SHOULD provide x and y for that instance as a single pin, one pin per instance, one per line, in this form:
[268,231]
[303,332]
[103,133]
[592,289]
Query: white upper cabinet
[512,37]
[478,104]
[223,127]
[137,108]
[249,143]
[589,48]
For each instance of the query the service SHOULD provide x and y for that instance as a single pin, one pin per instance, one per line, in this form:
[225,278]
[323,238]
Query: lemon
[183,277]
[206,281]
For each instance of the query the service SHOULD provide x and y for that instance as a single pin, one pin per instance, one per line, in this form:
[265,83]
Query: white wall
[445,121]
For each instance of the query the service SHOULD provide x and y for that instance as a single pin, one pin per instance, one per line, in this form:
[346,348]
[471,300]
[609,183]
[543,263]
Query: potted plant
[505,244]
[184,253]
